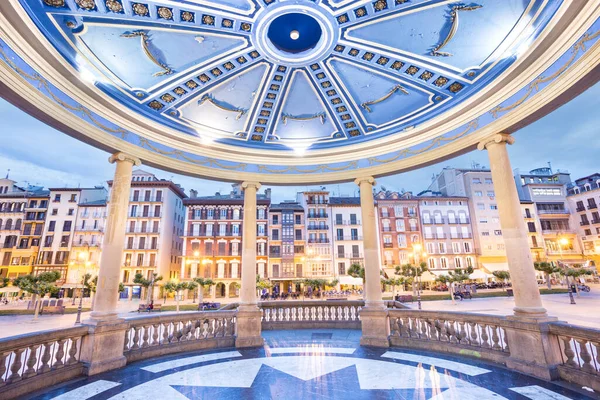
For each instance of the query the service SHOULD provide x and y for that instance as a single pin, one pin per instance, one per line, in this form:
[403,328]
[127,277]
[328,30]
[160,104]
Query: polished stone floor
[311,364]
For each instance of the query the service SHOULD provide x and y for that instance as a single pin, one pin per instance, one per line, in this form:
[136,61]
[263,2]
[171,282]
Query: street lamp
[416,252]
[82,259]
[563,241]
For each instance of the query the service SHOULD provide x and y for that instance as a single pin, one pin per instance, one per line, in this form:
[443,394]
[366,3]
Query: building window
[431,262]
[67,226]
[56,198]
[478,193]
[342,268]
[481,206]
[443,262]
[498,232]
[442,248]
[54,211]
[493,206]
[467,247]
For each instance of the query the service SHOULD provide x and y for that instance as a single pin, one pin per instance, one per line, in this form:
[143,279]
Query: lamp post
[82,259]
[416,252]
[562,242]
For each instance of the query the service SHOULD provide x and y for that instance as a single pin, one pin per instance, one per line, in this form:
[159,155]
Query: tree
[547,268]
[411,271]
[4,282]
[393,282]
[148,284]
[38,285]
[202,283]
[503,276]
[357,271]
[176,287]
[319,283]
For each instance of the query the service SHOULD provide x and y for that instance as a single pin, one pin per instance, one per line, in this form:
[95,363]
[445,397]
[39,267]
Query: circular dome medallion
[296,34]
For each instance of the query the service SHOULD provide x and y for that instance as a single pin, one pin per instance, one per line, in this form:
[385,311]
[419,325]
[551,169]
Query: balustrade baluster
[45,367]
[569,353]
[414,331]
[313,313]
[474,337]
[15,367]
[293,314]
[3,357]
[155,331]
[326,313]
[72,352]
[60,353]
[585,356]
[462,332]
[595,345]
[165,333]
[281,318]
[495,338]
[146,336]
[423,326]
[136,338]
[394,328]
[452,338]
[433,330]
[126,341]
[405,327]
[31,361]
[319,313]
[484,336]
[440,328]
[300,313]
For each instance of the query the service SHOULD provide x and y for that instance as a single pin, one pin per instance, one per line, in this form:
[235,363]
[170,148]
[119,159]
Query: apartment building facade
[447,233]
[22,218]
[213,239]
[319,257]
[347,238]
[154,230]
[399,228]
[583,197]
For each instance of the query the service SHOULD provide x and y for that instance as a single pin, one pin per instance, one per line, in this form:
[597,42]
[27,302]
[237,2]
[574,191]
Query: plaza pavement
[584,313]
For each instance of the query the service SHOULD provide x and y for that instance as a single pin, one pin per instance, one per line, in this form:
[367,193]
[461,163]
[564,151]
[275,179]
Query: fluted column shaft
[373,296]
[109,275]
[528,302]
[248,290]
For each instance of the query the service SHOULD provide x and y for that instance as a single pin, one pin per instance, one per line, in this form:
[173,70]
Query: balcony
[146,199]
[88,229]
[595,221]
[312,202]
[584,223]
[318,240]
[318,228]
[145,215]
[439,221]
[553,212]
[580,209]
[149,230]
[325,215]
[388,245]
[461,221]
[592,206]
[274,254]
[352,237]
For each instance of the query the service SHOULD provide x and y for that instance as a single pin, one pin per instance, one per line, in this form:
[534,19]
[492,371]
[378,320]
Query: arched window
[18,224]
[236,213]
[8,225]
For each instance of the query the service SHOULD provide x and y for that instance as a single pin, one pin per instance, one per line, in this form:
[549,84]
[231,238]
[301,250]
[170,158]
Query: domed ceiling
[284,81]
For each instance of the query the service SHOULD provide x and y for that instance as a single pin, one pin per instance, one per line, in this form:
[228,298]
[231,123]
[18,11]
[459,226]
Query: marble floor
[311,364]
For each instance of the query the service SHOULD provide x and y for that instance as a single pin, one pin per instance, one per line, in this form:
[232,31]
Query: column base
[375,327]
[532,350]
[248,326]
[538,314]
[102,348]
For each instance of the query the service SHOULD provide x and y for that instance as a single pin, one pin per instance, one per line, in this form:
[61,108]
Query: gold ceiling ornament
[389,94]
[55,3]
[453,29]
[285,117]
[145,41]
[114,6]
[86,4]
[165,13]
[219,104]
[140,9]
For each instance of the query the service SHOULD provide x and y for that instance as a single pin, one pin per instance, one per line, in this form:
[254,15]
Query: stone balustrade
[452,332]
[292,314]
[151,336]
[579,349]
[36,360]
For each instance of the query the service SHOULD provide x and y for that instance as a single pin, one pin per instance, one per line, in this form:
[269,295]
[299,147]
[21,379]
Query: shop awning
[10,289]
[491,267]
[348,280]
[479,274]
[390,272]
[428,276]
[70,286]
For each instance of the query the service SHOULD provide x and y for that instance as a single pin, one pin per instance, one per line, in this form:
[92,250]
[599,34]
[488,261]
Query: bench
[406,298]
[144,308]
[53,310]
[209,306]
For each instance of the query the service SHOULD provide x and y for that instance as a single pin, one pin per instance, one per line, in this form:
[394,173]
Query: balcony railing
[145,215]
[435,221]
[549,212]
[388,245]
[595,221]
[349,238]
[460,221]
[293,314]
[318,215]
[318,240]
[318,227]
[151,199]
[580,209]
[347,222]
[140,230]
[592,206]
[584,223]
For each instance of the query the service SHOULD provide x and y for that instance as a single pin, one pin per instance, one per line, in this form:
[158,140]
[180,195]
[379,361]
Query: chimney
[268,193]
[193,193]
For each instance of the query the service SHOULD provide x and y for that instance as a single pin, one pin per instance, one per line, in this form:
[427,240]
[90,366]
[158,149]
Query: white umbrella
[10,289]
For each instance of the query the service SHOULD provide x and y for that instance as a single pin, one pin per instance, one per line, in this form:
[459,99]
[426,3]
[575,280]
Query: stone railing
[341,314]
[36,360]
[579,350]
[151,336]
[483,336]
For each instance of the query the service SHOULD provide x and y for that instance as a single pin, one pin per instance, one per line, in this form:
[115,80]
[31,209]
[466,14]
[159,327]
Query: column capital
[247,184]
[124,157]
[496,139]
[368,179]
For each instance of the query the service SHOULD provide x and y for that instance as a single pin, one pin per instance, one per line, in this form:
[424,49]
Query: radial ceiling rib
[359,13]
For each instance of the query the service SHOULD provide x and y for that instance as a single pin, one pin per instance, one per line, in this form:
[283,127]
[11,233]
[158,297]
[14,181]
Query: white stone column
[528,302]
[109,275]
[248,290]
[373,296]
[374,316]
[248,326]
[102,348]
